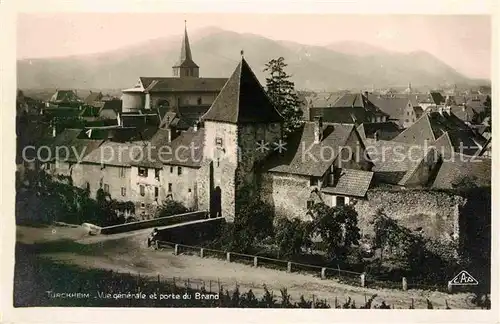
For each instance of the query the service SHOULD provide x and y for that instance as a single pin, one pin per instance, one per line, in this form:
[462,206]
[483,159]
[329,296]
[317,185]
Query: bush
[170,208]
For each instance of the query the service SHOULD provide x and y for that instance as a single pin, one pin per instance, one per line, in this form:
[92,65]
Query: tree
[291,236]
[171,207]
[282,93]
[253,220]
[336,226]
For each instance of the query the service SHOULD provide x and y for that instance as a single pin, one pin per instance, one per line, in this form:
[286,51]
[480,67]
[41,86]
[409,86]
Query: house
[349,108]
[65,97]
[444,130]
[452,171]
[189,93]
[372,132]
[94,99]
[167,169]
[402,110]
[320,163]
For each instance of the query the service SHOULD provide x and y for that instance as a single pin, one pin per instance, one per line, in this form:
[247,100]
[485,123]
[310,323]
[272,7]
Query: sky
[461,41]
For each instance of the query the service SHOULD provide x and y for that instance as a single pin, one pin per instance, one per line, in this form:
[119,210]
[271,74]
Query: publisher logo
[464,279]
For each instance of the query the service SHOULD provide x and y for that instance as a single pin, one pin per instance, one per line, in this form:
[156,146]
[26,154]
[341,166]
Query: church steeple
[186,67]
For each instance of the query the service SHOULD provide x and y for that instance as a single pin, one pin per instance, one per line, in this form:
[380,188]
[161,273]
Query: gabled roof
[386,130]
[452,170]
[351,183]
[92,97]
[172,119]
[173,84]
[71,146]
[394,107]
[433,125]
[111,153]
[64,96]
[437,98]
[168,153]
[243,100]
[297,160]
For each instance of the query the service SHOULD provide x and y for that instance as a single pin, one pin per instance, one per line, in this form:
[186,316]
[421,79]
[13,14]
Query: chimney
[169,135]
[318,129]
[375,136]
[195,126]
[440,111]
[54,130]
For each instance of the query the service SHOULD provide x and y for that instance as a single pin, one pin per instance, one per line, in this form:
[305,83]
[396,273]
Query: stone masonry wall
[436,213]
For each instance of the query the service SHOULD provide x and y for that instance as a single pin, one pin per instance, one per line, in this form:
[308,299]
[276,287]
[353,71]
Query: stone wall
[287,193]
[437,213]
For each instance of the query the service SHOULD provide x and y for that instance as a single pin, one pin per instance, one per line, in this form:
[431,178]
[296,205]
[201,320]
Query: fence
[163,221]
[360,279]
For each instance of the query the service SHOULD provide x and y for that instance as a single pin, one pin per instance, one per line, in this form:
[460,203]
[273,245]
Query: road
[127,253]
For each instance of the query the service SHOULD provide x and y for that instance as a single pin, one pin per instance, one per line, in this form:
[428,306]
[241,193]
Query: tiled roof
[72,146]
[92,97]
[351,100]
[63,112]
[297,160]
[351,183]
[323,100]
[386,131]
[184,150]
[171,119]
[111,153]
[243,100]
[113,104]
[64,96]
[437,98]
[391,156]
[173,84]
[394,107]
[477,169]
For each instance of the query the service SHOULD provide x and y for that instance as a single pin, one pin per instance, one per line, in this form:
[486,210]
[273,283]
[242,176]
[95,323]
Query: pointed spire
[185,49]
[243,100]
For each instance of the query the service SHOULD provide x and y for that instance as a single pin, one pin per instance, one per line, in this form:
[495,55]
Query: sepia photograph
[253,160]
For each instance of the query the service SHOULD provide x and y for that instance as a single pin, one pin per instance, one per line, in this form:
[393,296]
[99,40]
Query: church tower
[186,66]
[241,127]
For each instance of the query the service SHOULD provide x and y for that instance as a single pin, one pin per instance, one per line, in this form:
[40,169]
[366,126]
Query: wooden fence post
[362,277]
[323,273]
[201,252]
[405,284]
[255,261]
[176,249]
[289,267]
[228,256]
[450,287]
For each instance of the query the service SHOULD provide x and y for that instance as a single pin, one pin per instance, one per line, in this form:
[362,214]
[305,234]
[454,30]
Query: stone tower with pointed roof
[241,129]
[186,67]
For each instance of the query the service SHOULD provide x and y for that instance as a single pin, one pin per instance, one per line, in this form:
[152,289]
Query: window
[189,190]
[124,191]
[156,192]
[179,170]
[340,201]
[407,120]
[310,204]
[142,191]
[313,181]
[87,186]
[106,188]
[48,166]
[171,169]
[169,187]
[143,172]
[143,205]
[199,101]
[218,141]
[157,174]
[122,172]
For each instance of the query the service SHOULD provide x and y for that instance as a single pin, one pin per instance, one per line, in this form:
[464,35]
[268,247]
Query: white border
[8,9]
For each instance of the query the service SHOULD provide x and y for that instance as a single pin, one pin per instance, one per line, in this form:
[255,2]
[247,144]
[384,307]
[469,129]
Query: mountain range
[337,66]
